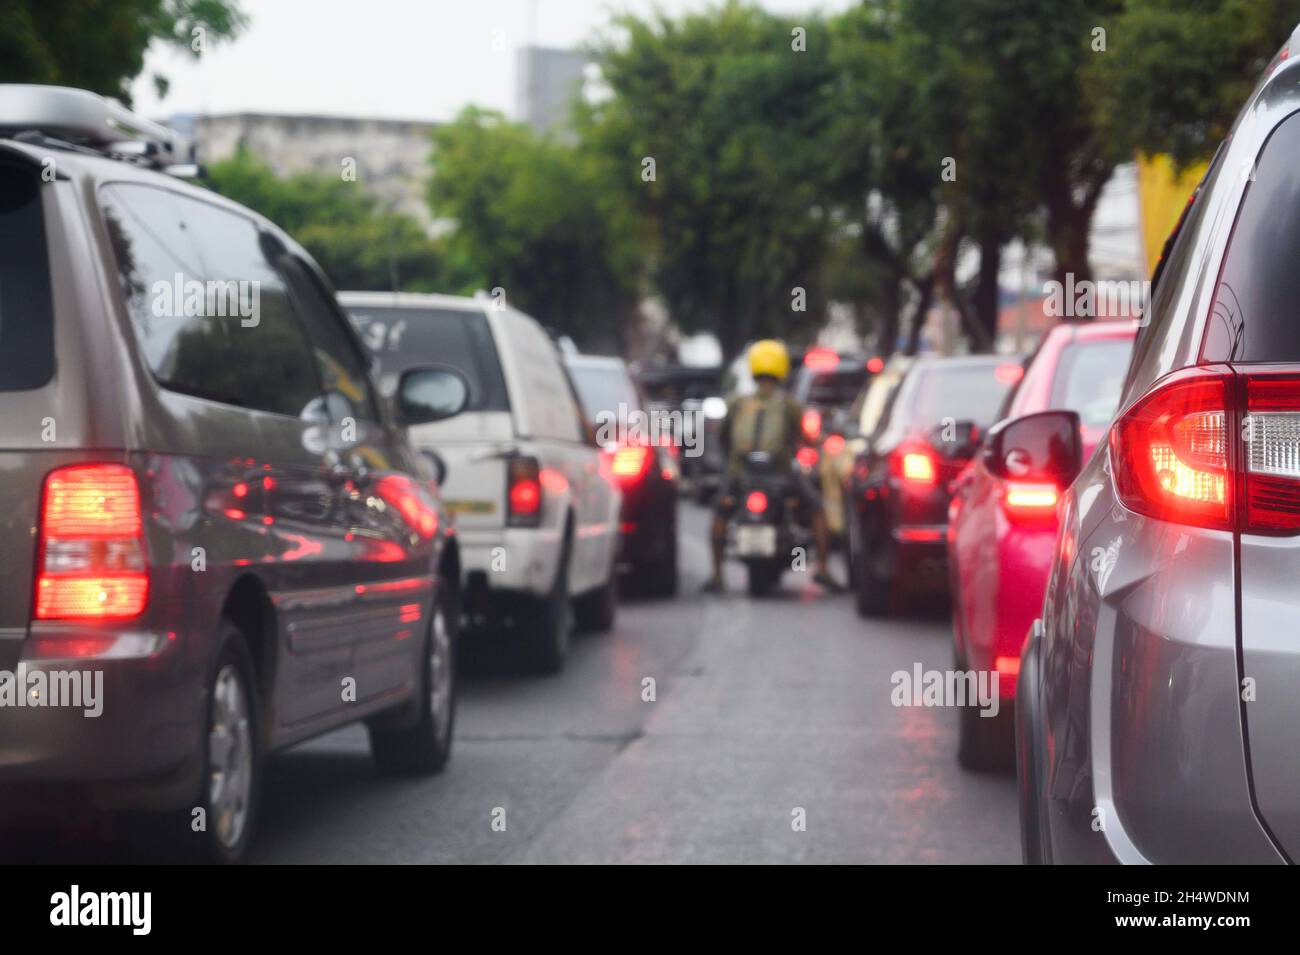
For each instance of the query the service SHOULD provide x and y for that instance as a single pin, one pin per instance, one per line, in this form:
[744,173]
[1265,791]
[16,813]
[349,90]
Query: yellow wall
[1161,197]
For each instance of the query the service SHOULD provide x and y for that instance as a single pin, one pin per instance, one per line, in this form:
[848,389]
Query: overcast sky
[405,59]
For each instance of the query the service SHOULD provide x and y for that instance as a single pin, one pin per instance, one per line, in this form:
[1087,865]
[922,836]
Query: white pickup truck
[536,514]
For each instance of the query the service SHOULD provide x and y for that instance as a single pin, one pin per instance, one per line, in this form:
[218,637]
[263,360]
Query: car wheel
[232,777]
[547,633]
[872,594]
[595,612]
[424,748]
[985,742]
[660,577]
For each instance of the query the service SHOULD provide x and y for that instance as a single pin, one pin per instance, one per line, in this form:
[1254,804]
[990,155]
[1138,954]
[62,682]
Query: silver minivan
[1158,713]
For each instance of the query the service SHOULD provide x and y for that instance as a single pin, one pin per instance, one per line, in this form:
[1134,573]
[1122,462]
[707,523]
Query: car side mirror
[955,439]
[1037,447]
[431,394]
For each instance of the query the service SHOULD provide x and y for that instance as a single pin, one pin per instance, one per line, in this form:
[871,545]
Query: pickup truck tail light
[91,562]
[524,492]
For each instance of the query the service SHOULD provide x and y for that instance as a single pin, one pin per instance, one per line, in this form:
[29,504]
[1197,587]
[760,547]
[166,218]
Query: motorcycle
[765,528]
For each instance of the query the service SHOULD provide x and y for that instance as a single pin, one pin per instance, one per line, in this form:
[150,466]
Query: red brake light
[1022,499]
[1169,453]
[916,466]
[875,364]
[756,502]
[833,445]
[821,359]
[1272,453]
[524,497]
[92,562]
[811,424]
[629,464]
[806,456]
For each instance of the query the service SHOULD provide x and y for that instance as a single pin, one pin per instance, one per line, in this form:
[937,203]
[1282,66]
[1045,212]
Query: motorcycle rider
[768,420]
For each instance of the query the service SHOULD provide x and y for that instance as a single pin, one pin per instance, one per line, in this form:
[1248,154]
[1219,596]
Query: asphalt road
[761,708]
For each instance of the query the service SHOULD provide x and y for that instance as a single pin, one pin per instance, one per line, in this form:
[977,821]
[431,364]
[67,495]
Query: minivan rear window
[1254,316]
[402,338]
[26,309]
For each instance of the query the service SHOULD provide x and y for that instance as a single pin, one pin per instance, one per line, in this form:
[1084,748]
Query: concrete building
[391,156]
[547,81]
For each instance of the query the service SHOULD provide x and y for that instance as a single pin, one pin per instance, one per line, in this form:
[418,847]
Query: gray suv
[216,539]
[1158,714]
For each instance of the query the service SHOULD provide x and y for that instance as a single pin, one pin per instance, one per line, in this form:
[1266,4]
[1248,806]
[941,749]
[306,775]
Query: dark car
[897,489]
[213,524]
[1157,705]
[645,469]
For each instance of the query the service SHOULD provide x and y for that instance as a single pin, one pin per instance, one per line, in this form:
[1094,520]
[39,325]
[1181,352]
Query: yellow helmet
[769,357]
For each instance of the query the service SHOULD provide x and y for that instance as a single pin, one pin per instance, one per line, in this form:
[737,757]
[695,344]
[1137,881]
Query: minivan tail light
[1170,453]
[1271,432]
[524,493]
[91,562]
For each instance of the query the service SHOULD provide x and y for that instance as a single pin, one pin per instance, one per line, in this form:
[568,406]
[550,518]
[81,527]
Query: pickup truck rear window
[402,338]
[26,309]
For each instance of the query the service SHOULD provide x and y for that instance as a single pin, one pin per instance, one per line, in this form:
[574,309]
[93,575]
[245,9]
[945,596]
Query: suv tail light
[524,492]
[91,562]
[1174,452]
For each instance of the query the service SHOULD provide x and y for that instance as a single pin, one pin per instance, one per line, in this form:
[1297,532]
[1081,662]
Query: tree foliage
[100,45]
[359,245]
[531,218]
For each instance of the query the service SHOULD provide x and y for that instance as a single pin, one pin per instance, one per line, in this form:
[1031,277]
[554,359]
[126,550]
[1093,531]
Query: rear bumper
[519,559]
[128,730]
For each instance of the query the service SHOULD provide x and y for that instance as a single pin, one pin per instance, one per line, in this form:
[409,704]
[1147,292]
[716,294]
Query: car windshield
[402,338]
[965,392]
[1089,379]
[601,389]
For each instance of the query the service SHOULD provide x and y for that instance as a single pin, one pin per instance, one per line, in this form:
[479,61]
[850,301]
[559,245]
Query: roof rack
[87,120]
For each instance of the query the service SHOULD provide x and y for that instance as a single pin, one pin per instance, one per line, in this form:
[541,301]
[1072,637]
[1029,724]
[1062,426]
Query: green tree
[730,107]
[1176,72]
[99,45]
[530,217]
[358,244]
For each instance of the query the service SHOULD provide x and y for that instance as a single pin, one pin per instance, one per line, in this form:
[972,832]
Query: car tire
[547,633]
[232,751]
[424,748]
[985,743]
[661,577]
[873,596]
[596,611]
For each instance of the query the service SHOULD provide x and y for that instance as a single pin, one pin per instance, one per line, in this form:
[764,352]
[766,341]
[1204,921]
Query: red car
[1002,523]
